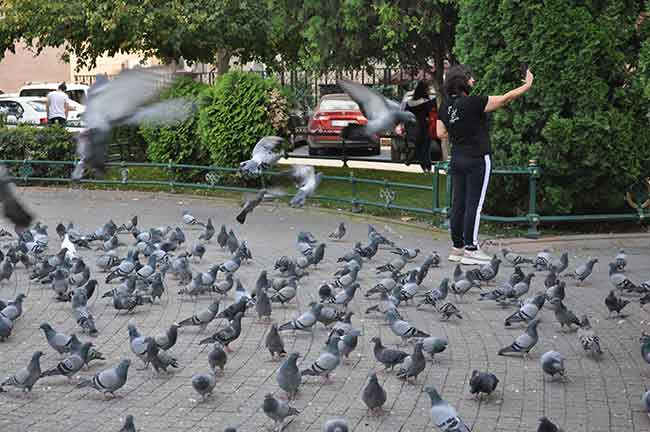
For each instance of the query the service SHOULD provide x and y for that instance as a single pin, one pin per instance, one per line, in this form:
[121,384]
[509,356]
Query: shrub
[236,112]
[585,119]
[177,144]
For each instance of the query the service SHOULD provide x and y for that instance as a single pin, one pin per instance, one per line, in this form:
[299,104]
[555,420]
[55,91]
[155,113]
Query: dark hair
[457,81]
[63,87]
[421,90]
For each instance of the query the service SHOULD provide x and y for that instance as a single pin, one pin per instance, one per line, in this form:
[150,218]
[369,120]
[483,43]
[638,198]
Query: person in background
[420,104]
[58,106]
[463,119]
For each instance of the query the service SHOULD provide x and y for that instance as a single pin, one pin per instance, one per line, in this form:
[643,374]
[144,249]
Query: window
[338,105]
[11,108]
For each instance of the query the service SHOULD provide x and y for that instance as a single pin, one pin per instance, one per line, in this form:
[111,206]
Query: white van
[76,92]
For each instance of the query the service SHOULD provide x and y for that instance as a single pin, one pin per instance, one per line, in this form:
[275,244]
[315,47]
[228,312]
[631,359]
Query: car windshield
[338,105]
[78,96]
[38,106]
[34,92]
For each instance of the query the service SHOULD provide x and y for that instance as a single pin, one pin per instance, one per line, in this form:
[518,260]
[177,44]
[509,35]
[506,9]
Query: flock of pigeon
[135,284]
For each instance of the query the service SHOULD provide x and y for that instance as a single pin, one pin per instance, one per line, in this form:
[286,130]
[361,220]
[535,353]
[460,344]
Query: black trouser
[422,142]
[57,120]
[470,177]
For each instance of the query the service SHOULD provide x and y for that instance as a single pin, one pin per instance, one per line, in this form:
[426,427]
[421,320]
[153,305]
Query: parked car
[331,115]
[76,92]
[24,109]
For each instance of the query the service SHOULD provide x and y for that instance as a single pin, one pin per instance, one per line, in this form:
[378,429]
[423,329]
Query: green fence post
[444,224]
[435,199]
[532,216]
[356,208]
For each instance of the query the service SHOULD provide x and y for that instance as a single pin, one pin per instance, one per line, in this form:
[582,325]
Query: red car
[334,112]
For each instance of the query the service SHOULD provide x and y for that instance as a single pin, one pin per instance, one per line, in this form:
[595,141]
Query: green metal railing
[362,191]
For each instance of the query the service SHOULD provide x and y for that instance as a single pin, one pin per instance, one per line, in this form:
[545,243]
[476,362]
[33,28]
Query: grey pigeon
[545,425]
[382,114]
[60,342]
[559,265]
[524,342]
[12,207]
[584,271]
[129,424]
[588,338]
[563,315]
[93,354]
[204,383]
[125,100]
[402,328]
[138,343]
[338,233]
[289,378]
[620,260]
[436,294]
[277,411]
[514,258]
[347,342]
[413,365]
[232,242]
[208,231]
[222,237]
[14,308]
[620,281]
[26,377]
[305,321]
[202,318]
[307,180]
[447,311]
[6,327]
[553,364]
[274,343]
[167,340]
[198,250]
[615,304]
[328,360]
[543,260]
[71,364]
[434,345]
[527,312]
[217,358]
[443,415]
[249,206]
[262,303]
[386,356]
[482,383]
[226,335]
[108,381]
[158,359]
[266,153]
[374,395]
[336,425]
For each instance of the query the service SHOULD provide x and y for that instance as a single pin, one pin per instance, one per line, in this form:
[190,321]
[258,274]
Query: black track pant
[470,178]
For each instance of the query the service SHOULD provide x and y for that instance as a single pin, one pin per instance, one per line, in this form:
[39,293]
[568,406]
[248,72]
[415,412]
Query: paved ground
[601,395]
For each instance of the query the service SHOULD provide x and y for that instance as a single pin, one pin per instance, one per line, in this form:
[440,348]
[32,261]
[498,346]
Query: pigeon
[6,269]
[285,293]
[189,219]
[231,311]
[448,310]
[338,233]
[305,321]
[443,415]
[157,358]
[14,308]
[375,235]
[203,318]
[559,265]
[289,377]
[395,265]
[620,260]
[524,342]
[26,377]
[615,304]
[436,294]
[307,180]
[402,328]
[204,383]
[462,286]
[71,364]
[336,425]
[277,411]
[645,346]
[208,231]
[620,281]
[6,327]
[514,258]
[645,400]
[217,358]
[262,304]
[486,272]
[347,342]
[588,338]
[545,425]
[125,100]
[138,343]
[13,209]
[382,114]
[556,291]
[527,312]
[274,343]
[129,424]
[482,383]
[563,315]
[386,356]
[327,361]
[226,335]
[551,279]
[249,206]
[110,380]
[413,365]
[553,364]
[409,254]
[584,271]
[543,260]
[81,314]
[266,153]
[374,395]
[222,237]
[434,345]
[167,340]
[93,354]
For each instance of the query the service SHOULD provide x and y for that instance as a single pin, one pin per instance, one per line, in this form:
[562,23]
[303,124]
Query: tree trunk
[223,61]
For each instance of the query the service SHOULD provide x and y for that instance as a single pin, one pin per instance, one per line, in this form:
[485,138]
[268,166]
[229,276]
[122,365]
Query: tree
[209,31]
[585,119]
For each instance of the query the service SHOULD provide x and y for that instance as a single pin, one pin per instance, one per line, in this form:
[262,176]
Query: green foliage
[177,144]
[237,111]
[585,119]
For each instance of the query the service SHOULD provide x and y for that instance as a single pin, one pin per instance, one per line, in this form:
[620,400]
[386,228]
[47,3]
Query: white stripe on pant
[486,180]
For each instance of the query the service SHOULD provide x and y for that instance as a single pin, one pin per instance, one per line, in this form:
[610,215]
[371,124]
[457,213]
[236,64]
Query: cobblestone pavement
[600,396]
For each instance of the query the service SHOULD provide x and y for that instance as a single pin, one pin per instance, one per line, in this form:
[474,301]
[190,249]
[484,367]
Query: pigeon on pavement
[204,383]
[482,383]
[108,381]
[386,356]
[336,425]
[278,411]
[338,233]
[443,415]
[327,361]
[374,395]
[274,343]
[524,342]
[553,364]
[289,377]
[129,424]
[26,377]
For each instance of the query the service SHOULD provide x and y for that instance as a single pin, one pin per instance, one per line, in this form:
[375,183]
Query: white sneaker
[456,254]
[475,257]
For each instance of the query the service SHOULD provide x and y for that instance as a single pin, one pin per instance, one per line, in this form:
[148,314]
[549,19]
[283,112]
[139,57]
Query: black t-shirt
[467,123]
